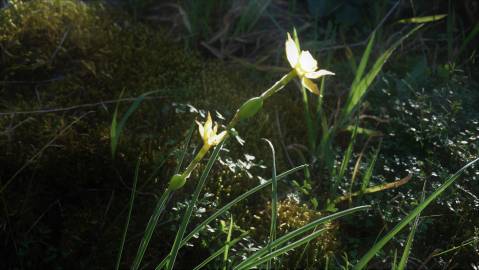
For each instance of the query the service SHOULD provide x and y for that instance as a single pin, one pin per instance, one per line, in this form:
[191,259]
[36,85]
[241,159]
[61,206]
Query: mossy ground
[65,209]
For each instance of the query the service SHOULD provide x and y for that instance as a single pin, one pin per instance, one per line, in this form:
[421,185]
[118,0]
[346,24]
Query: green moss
[57,54]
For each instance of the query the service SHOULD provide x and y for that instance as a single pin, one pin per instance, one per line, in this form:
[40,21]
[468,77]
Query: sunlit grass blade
[283,250]
[243,196]
[191,204]
[159,207]
[359,89]
[225,208]
[407,249]
[300,231]
[220,251]
[369,172]
[274,202]
[227,244]
[379,245]
[117,127]
[130,209]
[364,61]
[424,19]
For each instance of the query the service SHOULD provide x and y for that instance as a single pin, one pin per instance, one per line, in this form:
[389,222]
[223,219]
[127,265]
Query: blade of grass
[364,60]
[283,250]
[117,128]
[160,206]
[370,254]
[425,19]
[300,231]
[130,209]
[274,202]
[407,249]
[369,172]
[358,90]
[187,216]
[469,38]
[227,244]
[219,251]
[225,208]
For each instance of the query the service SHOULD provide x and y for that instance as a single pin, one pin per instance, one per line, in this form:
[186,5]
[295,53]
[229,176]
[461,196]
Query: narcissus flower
[208,132]
[305,65]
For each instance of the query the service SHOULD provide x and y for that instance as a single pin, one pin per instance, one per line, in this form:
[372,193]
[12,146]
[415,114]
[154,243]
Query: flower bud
[250,108]
[176,182]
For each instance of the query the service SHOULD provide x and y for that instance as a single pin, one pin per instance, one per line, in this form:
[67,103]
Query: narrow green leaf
[160,206]
[379,245]
[369,172]
[284,249]
[219,251]
[130,209]
[407,249]
[359,89]
[425,19]
[274,203]
[364,60]
[227,244]
[300,231]
[117,128]
[187,216]
[225,208]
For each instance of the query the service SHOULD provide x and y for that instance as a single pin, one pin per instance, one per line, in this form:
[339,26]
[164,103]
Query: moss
[57,54]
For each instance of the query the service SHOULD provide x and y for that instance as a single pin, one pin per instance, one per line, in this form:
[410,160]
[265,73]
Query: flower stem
[196,160]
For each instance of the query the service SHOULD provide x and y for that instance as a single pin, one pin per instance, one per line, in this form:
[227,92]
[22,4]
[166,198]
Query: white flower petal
[201,130]
[307,62]
[292,52]
[319,73]
[310,85]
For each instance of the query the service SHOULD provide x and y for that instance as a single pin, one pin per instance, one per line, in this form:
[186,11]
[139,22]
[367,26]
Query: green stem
[279,84]
[373,189]
[196,160]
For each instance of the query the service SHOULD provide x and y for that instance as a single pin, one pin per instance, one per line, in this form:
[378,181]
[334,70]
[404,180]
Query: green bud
[176,182]
[250,108]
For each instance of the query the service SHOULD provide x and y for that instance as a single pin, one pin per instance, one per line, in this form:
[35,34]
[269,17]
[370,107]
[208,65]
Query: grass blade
[300,231]
[225,208]
[130,209]
[407,249]
[364,60]
[160,206]
[358,90]
[274,202]
[369,172]
[117,127]
[187,216]
[227,244]
[424,19]
[284,249]
[370,254]
[219,251]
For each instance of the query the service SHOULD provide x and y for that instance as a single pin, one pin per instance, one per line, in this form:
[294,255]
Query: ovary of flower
[305,65]
[208,132]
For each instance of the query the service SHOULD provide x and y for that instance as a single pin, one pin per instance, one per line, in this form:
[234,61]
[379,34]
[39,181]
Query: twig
[87,105]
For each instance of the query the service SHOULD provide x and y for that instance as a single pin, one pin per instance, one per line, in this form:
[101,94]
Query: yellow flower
[305,65]
[208,132]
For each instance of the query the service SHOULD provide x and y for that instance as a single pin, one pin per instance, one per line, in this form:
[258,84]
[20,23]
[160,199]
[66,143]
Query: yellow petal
[292,52]
[217,139]
[310,85]
[307,62]
[201,129]
[208,124]
[319,73]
